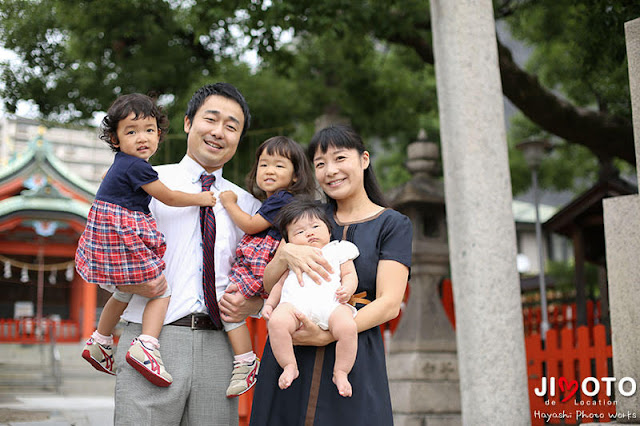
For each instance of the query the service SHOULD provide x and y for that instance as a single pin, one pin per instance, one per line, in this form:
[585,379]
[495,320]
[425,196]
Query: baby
[305,222]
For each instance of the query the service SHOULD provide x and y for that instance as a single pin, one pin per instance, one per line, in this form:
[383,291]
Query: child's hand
[343,295]
[267,310]
[228,197]
[206,199]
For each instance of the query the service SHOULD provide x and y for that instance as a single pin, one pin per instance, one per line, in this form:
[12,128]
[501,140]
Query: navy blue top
[385,236]
[122,185]
[269,210]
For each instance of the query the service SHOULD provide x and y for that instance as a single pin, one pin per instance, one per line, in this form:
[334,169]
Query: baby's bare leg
[344,330]
[281,326]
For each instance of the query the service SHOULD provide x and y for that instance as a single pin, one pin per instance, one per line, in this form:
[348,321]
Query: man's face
[214,133]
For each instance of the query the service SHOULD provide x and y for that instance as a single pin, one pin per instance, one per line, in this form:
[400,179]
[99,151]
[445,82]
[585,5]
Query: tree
[575,87]
[81,56]
[370,60]
[78,56]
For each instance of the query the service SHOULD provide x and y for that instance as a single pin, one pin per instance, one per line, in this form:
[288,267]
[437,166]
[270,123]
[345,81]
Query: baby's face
[309,231]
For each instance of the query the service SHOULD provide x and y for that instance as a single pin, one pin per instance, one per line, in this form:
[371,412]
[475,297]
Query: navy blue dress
[313,398]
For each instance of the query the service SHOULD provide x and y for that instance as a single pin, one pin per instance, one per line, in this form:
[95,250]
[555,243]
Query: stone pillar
[622,239]
[482,243]
[422,364]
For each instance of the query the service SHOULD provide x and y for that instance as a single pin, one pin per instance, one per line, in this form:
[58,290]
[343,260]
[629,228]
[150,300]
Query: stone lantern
[422,363]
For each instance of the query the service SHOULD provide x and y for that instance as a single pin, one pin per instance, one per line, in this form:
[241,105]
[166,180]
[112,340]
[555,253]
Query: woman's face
[340,171]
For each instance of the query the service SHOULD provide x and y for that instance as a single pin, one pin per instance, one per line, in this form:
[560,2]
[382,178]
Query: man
[195,350]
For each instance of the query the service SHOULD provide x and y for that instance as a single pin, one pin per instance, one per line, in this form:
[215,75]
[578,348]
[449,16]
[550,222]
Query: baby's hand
[343,295]
[228,197]
[267,310]
[206,199]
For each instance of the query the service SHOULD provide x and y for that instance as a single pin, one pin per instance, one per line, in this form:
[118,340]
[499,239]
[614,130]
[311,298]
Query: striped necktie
[208,228]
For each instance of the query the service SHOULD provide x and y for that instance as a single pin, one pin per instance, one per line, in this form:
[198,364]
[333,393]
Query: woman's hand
[309,334]
[306,259]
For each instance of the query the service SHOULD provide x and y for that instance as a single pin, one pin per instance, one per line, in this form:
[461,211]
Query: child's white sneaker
[148,362]
[100,356]
[243,378]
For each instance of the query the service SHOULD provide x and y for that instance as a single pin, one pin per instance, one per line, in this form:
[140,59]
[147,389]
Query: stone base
[622,236]
[425,398]
[427,420]
[424,385]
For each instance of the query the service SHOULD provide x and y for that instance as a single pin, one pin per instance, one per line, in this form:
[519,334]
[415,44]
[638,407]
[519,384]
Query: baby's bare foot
[287,377]
[342,383]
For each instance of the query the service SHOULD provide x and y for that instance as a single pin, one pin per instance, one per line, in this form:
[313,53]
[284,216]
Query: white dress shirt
[181,228]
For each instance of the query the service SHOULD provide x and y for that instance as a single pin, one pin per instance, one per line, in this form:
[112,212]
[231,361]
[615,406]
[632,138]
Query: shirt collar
[194,170]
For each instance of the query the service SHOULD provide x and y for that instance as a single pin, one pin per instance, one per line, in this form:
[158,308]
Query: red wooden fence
[571,355]
[560,315]
[258,331]
[566,362]
[26,331]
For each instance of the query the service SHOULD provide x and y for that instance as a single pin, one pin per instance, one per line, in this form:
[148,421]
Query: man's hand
[150,289]
[234,307]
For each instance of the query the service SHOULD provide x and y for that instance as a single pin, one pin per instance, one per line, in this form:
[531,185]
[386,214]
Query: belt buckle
[193,322]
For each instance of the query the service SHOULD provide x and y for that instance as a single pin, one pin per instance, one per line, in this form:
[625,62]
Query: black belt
[196,322]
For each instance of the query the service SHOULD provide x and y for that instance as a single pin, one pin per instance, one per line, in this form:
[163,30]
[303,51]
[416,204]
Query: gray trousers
[200,362]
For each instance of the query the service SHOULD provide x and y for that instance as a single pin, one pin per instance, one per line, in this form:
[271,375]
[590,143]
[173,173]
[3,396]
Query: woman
[383,236]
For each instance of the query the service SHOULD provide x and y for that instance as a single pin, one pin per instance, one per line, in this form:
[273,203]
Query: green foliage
[579,49]
[566,167]
[563,276]
[355,58]
[80,55]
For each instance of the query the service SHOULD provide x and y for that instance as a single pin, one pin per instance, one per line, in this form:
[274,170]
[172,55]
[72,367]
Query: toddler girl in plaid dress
[121,244]
[281,170]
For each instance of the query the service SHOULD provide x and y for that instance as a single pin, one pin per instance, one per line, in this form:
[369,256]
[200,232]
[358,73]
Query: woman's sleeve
[396,238]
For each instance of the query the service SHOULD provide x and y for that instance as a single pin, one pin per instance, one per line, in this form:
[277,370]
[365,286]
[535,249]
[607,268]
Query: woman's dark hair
[225,90]
[297,209]
[281,145]
[341,136]
[142,106]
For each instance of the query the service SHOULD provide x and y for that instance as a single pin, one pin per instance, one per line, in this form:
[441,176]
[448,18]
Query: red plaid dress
[252,255]
[119,246]
[255,251]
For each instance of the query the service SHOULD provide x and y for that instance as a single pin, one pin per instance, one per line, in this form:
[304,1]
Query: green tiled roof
[69,206]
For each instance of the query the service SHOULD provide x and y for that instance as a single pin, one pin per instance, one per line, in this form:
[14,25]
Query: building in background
[43,211]
[79,149]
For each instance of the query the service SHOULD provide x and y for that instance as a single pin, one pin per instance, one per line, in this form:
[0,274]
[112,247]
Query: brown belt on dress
[359,298]
[196,322]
